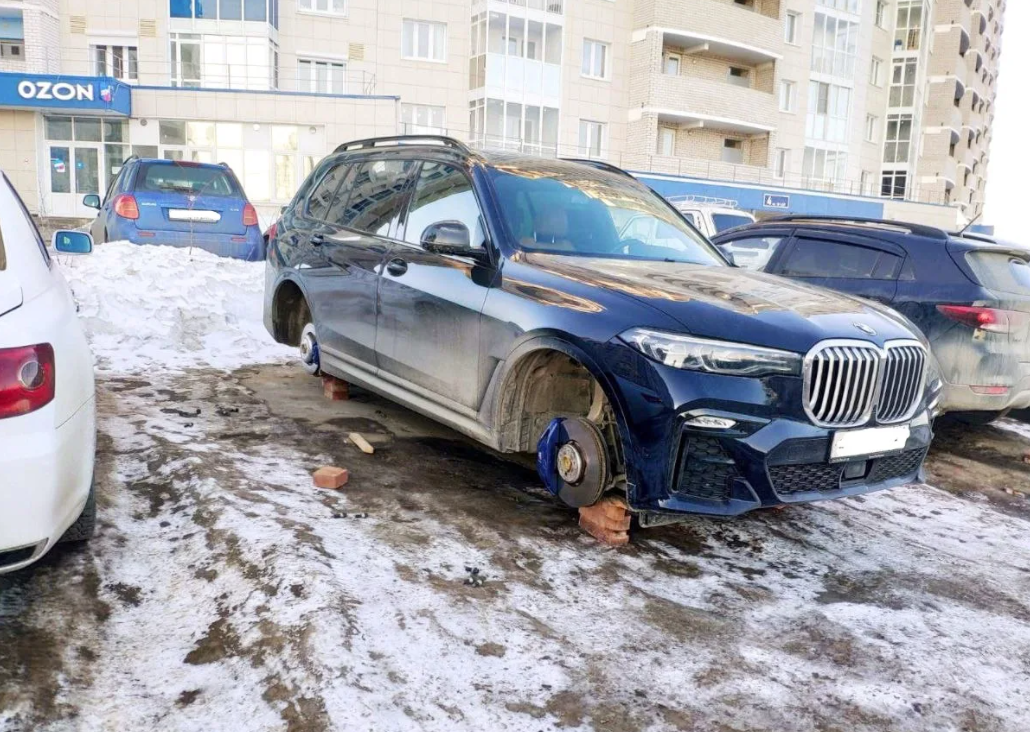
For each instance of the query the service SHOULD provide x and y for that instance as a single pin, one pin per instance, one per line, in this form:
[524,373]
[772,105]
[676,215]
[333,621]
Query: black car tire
[85,525]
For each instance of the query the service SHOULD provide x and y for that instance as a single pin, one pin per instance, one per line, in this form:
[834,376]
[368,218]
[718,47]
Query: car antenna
[971,222]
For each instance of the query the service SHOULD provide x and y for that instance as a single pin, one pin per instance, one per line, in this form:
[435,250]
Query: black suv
[564,310]
[970,295]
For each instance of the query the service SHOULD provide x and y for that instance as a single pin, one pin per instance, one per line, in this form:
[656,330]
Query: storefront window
[58,128]
[114,130]
[172,133]
[60,170]
[87,130]
[200,134]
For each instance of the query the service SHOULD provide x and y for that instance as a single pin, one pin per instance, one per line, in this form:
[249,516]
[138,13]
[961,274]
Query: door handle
[396,267]
[317,240]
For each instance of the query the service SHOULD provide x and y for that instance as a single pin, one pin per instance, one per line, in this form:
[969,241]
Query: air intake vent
[902,382]
[147,28]
[77,24]
[356,52]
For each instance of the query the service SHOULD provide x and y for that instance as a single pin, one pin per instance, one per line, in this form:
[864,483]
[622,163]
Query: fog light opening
[706,422]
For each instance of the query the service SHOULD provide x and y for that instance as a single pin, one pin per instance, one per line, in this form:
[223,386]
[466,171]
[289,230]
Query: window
[321,198]
[422,119]
[443,193]
[321,77]
[595,59]
[732,151]
[739,76]
[591,138]
[893,184]
[903,83]
[792,28]
[848,6]
[881,13]
[824,165]
[870,127]
[185,50]
[121,62]
[252,10]
[876,72]
[1000,272]
[753,253]
[834,46]
[898,139]
[337,7]
[725,222]
[782,163]
[865,183]
[788,96]
[164,177]
[821,258]
[374,198]
[908,33]
[672,64]
[424,40]
[829,108]
[666,141]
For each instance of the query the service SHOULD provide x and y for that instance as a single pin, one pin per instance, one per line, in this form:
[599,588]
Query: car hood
[733,304]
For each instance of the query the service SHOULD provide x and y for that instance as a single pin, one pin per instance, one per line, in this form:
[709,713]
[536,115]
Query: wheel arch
[291,311]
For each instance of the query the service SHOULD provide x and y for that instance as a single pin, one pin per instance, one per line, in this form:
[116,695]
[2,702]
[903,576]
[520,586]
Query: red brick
[331,477]
[608,521]
[334,389]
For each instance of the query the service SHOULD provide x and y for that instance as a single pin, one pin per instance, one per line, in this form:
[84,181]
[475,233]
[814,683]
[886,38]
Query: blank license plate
[868,443]
[207,217]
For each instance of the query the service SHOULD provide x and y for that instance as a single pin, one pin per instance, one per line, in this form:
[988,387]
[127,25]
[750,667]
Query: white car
[711,216]
[47,401]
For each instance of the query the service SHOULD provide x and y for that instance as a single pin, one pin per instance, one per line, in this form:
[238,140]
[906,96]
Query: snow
[153,306]
[904,610]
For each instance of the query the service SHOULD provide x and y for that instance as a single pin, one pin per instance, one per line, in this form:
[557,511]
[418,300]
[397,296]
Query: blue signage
[773,200]
[99,94]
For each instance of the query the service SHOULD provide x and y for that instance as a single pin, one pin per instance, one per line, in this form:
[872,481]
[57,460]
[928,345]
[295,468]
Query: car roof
[885,228]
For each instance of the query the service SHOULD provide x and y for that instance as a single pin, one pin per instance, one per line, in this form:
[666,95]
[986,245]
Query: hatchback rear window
[186,178]
[1001,272]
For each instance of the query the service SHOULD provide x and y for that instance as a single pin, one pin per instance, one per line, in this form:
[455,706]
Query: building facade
[872,102]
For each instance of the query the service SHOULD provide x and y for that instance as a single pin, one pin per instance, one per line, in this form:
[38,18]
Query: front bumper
[45,477]
[772,456]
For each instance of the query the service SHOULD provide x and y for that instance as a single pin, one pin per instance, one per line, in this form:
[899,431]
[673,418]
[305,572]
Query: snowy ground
[224,592]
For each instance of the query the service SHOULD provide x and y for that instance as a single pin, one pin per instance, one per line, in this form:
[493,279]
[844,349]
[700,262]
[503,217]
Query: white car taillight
[26,379]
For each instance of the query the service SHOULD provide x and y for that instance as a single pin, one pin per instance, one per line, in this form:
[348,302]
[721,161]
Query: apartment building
[801,105]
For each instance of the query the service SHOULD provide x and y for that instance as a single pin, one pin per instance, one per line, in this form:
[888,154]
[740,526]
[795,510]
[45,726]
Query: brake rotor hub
[572,459]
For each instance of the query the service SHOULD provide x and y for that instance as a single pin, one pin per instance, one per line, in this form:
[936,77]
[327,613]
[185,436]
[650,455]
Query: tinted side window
[376,197]
[322,196]
[31,222]
[816,258]
[443,193]
[754,252]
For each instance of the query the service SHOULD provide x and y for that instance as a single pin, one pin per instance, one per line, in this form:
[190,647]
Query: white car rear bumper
[45,476]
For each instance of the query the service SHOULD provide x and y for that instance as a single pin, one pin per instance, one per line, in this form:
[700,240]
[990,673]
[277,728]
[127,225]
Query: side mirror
[452,238]
[91,200]
[72,242]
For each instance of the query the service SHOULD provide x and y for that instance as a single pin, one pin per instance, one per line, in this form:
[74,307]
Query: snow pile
[147,306]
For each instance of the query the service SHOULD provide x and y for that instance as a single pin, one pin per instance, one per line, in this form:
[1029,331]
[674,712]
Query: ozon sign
[61,91]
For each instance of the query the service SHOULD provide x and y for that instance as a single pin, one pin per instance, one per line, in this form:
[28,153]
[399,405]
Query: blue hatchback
[180,204]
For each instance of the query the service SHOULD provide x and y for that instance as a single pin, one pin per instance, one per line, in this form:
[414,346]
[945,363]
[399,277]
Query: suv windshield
[724,222]
[187,178]
[577,210]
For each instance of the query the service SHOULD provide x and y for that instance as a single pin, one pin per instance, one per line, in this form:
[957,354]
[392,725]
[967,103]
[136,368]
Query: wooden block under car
[331,477]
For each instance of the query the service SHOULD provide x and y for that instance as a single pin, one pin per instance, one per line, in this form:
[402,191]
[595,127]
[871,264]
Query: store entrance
[84,155]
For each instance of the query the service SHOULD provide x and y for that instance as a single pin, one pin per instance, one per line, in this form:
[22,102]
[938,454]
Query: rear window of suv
[186,178]
[1001,272]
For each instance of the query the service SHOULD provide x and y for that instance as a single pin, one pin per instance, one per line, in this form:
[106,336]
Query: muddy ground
[224,592]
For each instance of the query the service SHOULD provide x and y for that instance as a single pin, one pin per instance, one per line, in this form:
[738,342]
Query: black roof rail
[600,165]
[398,140]
[927,231]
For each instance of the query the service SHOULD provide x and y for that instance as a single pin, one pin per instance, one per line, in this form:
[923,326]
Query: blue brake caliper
[547,454]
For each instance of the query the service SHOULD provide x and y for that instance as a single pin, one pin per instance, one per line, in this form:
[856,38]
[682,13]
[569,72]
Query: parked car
[709,215]
[493,293]
[47,407]
[969,295]
[180,204]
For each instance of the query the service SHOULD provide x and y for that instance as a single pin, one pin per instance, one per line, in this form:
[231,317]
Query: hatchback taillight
[989,319]
[250,217]
[125,206]
[26,379]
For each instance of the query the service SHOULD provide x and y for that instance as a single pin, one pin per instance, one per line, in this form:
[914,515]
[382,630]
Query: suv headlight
[716,357]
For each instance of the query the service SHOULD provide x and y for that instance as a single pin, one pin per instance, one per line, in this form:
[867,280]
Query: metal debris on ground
[223,411]
[182,412]
[475,578]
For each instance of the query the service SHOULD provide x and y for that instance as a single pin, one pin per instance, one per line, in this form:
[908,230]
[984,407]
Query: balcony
[715,27]
[704,103]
